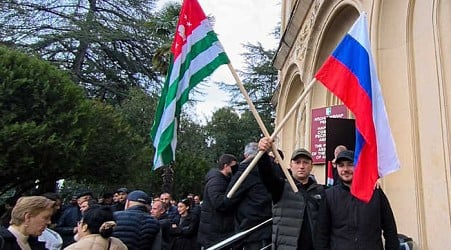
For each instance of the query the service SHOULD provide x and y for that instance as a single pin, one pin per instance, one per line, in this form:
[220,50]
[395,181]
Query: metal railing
[239,236]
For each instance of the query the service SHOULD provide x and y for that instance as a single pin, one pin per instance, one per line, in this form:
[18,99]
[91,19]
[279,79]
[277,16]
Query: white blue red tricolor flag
[350,74]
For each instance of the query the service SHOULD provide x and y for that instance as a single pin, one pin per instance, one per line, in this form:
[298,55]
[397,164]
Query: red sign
[318,132]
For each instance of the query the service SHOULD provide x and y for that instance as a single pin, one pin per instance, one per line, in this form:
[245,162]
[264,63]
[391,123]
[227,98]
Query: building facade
[411,46]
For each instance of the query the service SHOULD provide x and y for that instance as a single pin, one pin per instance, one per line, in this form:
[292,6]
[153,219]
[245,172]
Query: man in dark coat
[348,223]
[216,219]
[158,211]
[253,202]
[135,227]
[67,223]
[294,214]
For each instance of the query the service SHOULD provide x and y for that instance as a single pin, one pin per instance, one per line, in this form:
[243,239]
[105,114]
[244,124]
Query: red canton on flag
[350,74]
[196,53]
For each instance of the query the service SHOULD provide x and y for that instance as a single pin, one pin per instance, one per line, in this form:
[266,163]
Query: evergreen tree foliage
[108,45]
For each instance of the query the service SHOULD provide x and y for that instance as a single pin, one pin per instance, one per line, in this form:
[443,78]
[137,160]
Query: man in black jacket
[348,223]
[216,218]
[158,211]
[135,227]
[253,202]
[294,214]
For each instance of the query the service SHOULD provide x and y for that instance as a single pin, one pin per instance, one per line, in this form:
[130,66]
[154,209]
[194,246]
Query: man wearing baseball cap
[294,214]
[346,222]
[135,226]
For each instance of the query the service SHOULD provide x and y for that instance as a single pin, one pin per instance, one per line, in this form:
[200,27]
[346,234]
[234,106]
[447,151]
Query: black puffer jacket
[294,214]
[8,241]
[217,215]
[253,201]
[348,223]
[136,227]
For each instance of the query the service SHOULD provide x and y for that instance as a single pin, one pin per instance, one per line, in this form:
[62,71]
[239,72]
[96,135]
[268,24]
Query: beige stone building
[411,45]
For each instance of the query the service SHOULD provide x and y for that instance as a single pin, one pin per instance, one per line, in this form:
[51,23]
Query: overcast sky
[236,22]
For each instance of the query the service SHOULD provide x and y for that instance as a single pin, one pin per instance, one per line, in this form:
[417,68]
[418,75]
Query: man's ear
[84,227]
[27,217]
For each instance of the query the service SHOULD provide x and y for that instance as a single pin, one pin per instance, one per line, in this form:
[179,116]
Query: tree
[224,133]
[50,131]
[259,79]
[41,125]
[108,45]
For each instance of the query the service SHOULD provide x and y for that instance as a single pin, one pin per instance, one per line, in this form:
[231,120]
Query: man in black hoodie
[216,218]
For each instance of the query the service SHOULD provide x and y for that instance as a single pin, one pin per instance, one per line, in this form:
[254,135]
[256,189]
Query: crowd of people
[315,217]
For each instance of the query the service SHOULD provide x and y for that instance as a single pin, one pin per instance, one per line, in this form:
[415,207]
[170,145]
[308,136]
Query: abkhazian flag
[330,175]
[350,74]
[196,53]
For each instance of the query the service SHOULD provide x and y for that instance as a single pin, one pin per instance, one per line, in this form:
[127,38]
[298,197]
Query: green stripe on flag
[205,56]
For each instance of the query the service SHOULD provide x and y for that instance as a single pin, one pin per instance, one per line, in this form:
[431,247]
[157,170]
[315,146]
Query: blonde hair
[30,204]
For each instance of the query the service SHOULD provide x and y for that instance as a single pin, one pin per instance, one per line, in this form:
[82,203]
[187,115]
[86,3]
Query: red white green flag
[330,176]
[196,53]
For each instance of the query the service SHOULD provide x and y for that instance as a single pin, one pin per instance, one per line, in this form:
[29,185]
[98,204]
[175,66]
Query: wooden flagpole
[261,125]
[274,134]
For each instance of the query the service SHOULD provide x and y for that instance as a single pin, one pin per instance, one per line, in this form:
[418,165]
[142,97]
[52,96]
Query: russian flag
[350,74]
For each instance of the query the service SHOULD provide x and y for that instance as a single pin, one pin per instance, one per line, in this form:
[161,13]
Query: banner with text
[318,132]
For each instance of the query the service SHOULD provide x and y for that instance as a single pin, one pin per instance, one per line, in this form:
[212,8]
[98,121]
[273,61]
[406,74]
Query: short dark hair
[225,159]
[52,196]
[95,216]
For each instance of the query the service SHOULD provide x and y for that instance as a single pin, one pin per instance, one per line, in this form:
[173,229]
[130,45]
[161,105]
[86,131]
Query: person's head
[32,214]
[115,197]
[158,208]
[250,150]
[96,220]
[122,195]
[137,198]
[301,164]
[166,198]
[226,163]
[338,149]
[73,200]
[196,199]
[183,207]
[345,166]
[84,196]
[54,197]
[107,199]
[87,204]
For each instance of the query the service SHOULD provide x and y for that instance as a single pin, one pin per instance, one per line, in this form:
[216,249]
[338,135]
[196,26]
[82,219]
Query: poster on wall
[318,132]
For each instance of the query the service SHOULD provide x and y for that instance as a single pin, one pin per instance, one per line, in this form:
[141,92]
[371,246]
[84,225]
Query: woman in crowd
[94,231]
[29,218]
[184,234]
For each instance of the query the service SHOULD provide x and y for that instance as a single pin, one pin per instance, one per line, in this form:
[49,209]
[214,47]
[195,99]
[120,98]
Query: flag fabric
[350,74]
[330,175]
[195,53]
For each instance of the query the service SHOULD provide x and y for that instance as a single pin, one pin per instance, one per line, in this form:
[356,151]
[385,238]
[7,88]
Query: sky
[236,22]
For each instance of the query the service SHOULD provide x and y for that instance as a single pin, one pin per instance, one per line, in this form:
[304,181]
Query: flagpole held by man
[196,53]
